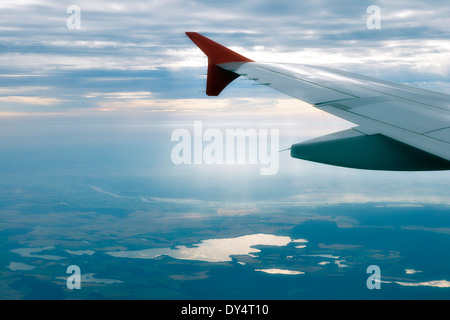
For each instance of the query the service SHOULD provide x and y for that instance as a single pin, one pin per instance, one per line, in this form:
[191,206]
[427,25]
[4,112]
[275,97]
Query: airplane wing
[397,127]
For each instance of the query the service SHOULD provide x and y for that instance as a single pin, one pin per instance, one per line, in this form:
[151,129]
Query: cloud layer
[138,52]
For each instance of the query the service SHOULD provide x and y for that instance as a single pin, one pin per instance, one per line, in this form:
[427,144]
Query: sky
[129,64]
[134,54]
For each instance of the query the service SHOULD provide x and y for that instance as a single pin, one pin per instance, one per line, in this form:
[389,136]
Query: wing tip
[218,78]
[216,52]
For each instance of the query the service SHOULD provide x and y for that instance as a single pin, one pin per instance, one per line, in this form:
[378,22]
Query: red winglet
[218,78]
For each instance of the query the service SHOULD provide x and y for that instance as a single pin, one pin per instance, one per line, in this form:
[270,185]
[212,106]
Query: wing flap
[409,116]
[442,135]
[370,126]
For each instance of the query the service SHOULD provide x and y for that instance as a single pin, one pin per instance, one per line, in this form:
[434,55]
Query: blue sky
[130,61]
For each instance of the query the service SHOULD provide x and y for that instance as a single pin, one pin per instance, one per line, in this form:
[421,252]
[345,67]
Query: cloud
[31,253]
[121,95]
[141,47]
[181,201]
[411,271]
[100,190]
[235,212]
[90,278]
[30,100]
[260,106]
[280,271]
[404,198]
[434,283]
[19,266]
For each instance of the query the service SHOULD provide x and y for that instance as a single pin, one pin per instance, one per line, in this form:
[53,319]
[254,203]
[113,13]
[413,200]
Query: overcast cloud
[136,50]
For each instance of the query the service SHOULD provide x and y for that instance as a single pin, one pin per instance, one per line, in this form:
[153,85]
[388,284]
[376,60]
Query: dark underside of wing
[374,152]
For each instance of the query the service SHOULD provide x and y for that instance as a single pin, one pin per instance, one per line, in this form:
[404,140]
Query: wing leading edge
[399,127]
